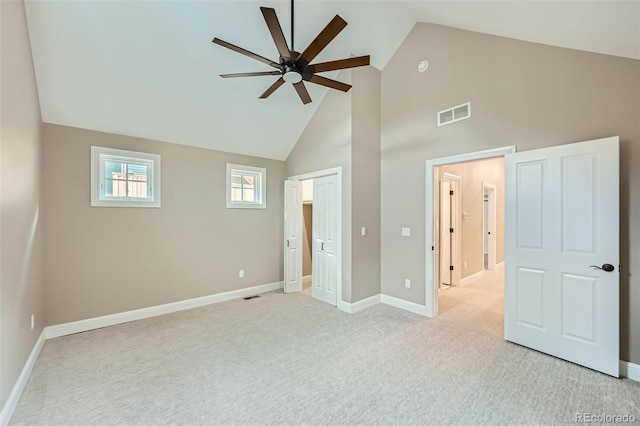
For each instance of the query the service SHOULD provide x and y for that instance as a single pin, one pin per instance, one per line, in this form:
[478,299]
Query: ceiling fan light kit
[291,75]
[294,67]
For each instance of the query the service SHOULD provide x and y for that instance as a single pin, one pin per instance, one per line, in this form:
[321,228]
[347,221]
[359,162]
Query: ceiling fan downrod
[292,48]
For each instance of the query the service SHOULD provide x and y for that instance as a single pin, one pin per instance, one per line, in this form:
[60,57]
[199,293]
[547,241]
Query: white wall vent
[456,113]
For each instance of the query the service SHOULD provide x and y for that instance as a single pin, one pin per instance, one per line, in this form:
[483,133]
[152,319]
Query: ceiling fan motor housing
[295,69]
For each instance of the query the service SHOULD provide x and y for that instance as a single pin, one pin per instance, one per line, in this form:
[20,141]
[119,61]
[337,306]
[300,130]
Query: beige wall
[473,174]
[523,94]
[103,260]
[21,284]
[365,157]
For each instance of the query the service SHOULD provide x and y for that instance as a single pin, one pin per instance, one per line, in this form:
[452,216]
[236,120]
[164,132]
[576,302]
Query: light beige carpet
[289,359]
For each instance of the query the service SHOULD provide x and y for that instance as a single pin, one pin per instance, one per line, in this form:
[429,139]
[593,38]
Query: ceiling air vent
[454,114]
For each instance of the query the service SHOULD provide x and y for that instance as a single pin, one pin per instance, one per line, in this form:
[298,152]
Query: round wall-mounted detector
[423,65]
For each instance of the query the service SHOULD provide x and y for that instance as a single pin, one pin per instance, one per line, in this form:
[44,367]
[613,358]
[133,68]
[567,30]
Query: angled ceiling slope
[149,69]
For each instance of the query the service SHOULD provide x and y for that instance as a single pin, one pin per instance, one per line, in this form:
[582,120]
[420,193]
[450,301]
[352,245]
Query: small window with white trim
[122,178]
[246,187]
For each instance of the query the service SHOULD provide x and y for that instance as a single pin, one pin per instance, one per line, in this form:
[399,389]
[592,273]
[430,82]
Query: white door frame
[491,251]
[456,244]
[431,265]
[318,174]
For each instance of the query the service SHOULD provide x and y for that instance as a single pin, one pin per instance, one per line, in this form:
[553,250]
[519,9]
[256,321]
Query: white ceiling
[149,69]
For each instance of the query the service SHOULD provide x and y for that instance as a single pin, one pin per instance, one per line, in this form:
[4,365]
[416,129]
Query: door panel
[579,292]
[562,217]
[578,203]
[529,297]
[325,233]
[529,203]
[292,236]
[319,231]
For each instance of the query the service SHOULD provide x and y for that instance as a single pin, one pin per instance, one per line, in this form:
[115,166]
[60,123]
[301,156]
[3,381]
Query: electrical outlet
[241,273]
[406,232]
[407,283]
[33,321]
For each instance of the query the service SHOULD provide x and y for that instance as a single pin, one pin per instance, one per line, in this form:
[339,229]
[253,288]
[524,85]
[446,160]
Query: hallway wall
[473,175]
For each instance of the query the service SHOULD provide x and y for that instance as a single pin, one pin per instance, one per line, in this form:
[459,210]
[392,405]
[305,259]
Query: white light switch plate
[406,232]
[363,231]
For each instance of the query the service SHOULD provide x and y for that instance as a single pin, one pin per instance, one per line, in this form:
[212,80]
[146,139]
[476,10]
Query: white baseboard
[630,370]
[16,392]
[404,304]
[466,280]
[137,314]
[358,306]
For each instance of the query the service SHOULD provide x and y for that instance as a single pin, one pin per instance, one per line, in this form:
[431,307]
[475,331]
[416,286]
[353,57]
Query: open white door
[292,236]
[562,252]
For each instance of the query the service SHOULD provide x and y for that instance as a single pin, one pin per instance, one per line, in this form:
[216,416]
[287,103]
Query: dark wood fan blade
[302,92]
[246,53]
[341,64]
[250,74]
[329,32]
[322,81]
[275,29]
[279,82]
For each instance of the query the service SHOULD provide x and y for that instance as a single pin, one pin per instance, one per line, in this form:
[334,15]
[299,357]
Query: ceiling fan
[294,67]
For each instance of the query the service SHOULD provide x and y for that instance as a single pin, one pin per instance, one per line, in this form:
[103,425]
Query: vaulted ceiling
[149,69]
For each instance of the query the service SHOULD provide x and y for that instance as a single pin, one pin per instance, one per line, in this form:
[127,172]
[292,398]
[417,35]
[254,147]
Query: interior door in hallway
[325,231]
[562,252]
[445,233]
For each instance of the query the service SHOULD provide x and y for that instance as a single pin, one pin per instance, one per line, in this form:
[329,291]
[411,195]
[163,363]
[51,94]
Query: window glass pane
[115,188]
[248,194]
[236,194]
[126,180]
[137,189]
[243,186]
[115,170]
[113,167]
[140,171]
[137,180]
[247,181]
